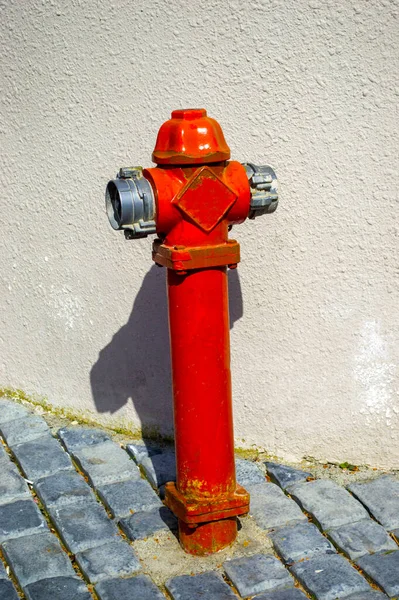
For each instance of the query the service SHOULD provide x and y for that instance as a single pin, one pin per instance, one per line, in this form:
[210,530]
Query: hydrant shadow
[135,365]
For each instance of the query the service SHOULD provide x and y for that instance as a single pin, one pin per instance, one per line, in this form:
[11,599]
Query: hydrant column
[199,332]
[191,199]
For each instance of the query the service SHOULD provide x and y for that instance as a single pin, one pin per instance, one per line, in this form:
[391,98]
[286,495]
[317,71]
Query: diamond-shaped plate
[205,199]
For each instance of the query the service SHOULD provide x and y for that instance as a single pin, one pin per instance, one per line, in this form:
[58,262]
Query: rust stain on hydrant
[190,200]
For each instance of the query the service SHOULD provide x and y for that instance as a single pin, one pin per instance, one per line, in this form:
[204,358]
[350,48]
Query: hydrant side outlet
[191,199]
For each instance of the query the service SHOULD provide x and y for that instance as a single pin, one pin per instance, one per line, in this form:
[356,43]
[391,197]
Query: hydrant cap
[190,137]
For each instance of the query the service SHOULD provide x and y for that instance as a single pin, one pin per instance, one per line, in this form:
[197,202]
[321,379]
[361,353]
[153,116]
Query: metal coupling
[130,203]
[264,189]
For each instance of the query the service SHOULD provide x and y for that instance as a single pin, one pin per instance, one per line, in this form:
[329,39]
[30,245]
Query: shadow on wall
[136,363]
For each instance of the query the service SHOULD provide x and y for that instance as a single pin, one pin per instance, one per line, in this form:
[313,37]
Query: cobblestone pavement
[82,517]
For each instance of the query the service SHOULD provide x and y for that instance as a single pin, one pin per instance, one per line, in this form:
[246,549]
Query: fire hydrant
[191,199]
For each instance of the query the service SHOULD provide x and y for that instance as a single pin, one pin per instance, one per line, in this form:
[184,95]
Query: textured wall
[308,86]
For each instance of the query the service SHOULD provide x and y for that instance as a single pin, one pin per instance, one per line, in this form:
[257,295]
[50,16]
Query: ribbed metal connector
[264,189]
[130,203]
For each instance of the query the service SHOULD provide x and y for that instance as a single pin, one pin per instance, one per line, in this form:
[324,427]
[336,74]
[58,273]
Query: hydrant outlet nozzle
[264,189]
[130,203]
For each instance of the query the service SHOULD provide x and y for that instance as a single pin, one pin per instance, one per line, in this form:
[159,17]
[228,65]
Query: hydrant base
[207,538]
[207,525]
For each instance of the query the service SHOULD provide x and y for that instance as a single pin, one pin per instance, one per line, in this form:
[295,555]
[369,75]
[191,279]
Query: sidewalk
[82,517]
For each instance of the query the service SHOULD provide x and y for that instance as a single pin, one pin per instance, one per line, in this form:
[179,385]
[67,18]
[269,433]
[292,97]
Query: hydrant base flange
[194,511]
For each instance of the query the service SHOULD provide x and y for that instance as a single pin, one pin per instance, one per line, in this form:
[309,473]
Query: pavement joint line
[11,574]
[367,577]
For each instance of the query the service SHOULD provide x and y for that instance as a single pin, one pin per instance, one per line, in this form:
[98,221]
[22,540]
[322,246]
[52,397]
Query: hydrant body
[194,196]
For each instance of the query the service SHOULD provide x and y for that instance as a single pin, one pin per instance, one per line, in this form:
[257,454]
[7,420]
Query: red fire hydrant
[191,199]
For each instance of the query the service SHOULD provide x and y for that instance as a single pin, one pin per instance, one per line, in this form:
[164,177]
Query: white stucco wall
[310,87]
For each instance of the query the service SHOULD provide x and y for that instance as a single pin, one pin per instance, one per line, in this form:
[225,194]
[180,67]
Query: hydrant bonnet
[190,137]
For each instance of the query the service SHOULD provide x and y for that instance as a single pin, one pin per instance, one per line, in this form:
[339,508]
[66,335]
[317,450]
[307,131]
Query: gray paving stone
[58,588]
[62,489]
[381,497]
[144,524]
[285,476]
[83,527]
[259,573]
[3,453]
[77,437]
[395,533]
[291,594]
[383,568]
[300,541]
[328,503]
[105,463]
[140,451]
[3,572]
[370,595]
[248,472]
[160,468]
[42,457]
[7,590]
[12,485]
[329,576]
[140,587]
[205,586]
[23,430]
[20,518]
[37,557]
[271,508]
[10,410]
[116,559]
[127,497]
[364,537]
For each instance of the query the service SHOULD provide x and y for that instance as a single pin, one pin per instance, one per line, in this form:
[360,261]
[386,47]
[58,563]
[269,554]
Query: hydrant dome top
[189,113]
[190,137]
